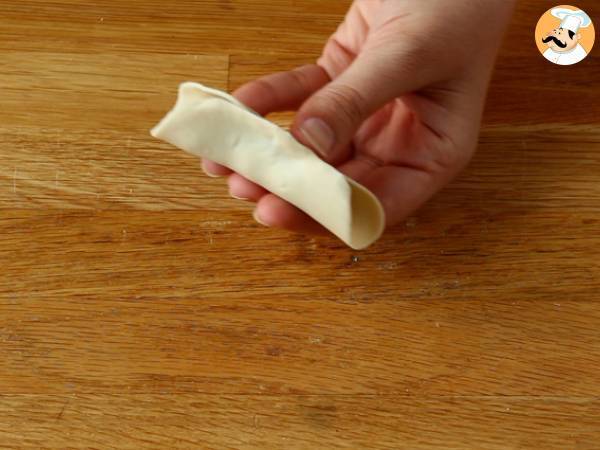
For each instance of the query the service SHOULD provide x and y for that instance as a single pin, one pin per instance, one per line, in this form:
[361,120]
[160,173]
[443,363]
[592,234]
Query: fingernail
[212,175]
[319,135]
[238,198]
[258,219]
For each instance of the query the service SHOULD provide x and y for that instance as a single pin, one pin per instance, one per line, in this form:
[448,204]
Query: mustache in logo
[556,41]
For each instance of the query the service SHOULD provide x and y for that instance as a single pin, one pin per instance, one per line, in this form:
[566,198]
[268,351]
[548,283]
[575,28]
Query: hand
[395,102]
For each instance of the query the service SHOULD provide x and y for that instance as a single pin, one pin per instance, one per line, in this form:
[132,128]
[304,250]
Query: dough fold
[212,124]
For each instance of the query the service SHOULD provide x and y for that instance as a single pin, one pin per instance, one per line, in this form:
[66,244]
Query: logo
[565,35]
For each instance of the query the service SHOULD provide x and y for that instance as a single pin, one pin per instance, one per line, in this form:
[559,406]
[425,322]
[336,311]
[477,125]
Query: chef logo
[565,35]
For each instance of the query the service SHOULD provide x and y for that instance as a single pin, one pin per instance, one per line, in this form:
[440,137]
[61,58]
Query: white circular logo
[565,35]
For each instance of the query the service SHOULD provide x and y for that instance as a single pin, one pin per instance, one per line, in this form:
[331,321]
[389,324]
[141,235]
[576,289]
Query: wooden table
[141,307]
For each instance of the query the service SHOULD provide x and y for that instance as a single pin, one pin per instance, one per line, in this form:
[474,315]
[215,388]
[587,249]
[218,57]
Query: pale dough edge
[367,217]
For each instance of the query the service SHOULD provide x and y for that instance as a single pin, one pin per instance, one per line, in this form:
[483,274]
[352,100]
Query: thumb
[329,119]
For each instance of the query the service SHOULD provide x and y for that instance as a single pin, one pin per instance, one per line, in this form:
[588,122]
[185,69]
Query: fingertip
[258,219]
[243,189]
[318,135]
[273,211]
[214,170]
[282,91]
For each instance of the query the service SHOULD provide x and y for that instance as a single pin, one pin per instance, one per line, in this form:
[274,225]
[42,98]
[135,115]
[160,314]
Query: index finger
[283,91]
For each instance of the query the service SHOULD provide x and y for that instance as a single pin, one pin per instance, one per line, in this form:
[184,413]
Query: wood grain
[141,307]
[298,422]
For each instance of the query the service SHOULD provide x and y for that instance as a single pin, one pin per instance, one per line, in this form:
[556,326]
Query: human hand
[395,102]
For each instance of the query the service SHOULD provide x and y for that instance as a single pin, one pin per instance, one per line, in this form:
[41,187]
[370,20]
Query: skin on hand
[395,101]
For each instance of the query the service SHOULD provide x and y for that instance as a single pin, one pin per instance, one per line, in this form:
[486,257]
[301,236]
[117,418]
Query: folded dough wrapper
[212,124]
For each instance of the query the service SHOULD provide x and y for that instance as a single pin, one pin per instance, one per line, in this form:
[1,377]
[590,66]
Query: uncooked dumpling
[214,125]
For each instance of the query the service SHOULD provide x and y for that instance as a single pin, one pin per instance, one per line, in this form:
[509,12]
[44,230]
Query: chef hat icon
[572,20]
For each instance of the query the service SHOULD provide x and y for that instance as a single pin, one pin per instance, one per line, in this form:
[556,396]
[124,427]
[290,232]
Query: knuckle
[265,87]
[298,77]
[346,102]
[451,161]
